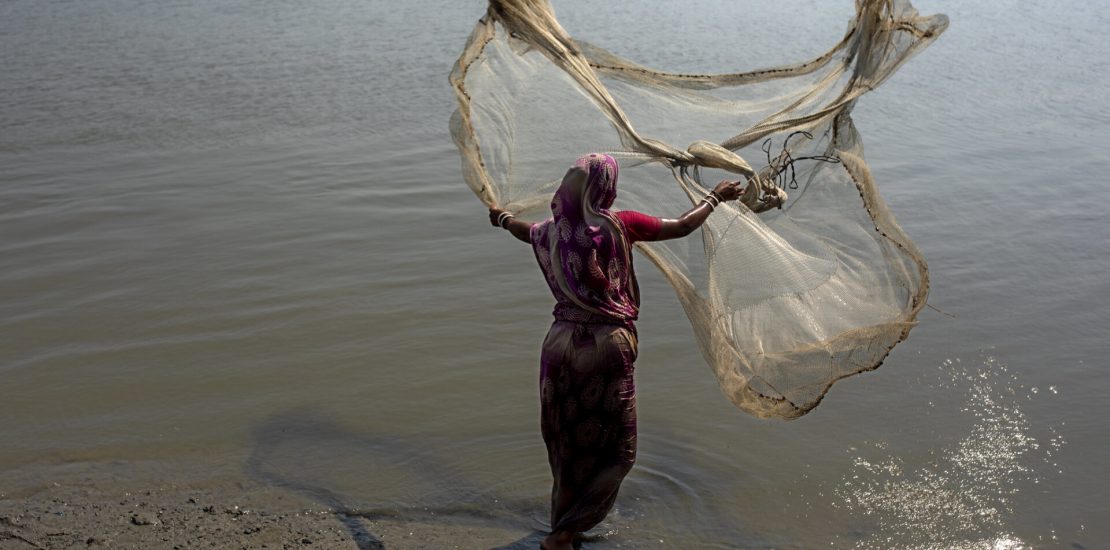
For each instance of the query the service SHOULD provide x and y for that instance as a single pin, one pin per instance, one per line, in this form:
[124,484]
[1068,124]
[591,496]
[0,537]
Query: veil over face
[582,249]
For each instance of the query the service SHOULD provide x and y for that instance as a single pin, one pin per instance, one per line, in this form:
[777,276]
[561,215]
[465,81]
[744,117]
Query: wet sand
[64,517]
[82,514]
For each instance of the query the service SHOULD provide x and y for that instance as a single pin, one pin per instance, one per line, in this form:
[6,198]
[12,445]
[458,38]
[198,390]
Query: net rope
[808,278]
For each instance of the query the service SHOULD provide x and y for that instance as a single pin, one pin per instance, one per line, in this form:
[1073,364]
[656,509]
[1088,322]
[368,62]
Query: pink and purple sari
[587,394]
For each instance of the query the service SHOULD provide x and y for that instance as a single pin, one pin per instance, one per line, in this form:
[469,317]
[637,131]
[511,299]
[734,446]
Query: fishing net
[808,279]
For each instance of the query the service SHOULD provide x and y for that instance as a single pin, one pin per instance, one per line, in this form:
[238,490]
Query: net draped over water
[783,301]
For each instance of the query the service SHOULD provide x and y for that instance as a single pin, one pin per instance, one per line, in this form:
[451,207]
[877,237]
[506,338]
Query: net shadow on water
[308,453]
[390,490]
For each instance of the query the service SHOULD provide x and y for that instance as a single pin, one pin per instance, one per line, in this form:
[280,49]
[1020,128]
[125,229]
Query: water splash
[963,495]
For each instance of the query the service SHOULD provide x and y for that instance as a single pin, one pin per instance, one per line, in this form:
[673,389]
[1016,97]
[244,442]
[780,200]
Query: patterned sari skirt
[588,419]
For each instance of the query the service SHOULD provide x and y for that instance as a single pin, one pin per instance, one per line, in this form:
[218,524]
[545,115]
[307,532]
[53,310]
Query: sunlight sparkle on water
[968,489]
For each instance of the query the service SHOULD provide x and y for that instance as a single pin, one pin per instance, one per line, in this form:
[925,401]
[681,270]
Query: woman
[587,395]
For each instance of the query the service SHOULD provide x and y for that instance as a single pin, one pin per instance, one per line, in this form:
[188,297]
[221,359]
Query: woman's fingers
[728,190]
[735,190]
[724,190]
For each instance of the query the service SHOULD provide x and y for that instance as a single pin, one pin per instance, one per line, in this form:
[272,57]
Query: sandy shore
[68,518]
[244,516]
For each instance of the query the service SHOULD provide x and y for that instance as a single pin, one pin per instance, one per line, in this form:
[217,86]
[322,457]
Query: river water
[235,245]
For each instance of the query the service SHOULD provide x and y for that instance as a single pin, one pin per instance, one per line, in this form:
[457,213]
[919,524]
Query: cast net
[783,301]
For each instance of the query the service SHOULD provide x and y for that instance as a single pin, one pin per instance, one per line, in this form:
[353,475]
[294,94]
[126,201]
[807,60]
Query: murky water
[234,243]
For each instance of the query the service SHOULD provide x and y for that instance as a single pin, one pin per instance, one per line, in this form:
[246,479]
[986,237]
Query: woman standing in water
[587,395]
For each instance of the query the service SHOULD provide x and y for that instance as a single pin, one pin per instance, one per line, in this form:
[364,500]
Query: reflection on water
[963,495]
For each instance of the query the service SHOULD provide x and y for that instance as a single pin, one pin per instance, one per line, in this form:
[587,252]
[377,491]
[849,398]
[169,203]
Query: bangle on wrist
[717,196]
[502,218]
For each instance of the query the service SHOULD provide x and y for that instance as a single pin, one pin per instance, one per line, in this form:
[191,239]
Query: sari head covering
[582,249]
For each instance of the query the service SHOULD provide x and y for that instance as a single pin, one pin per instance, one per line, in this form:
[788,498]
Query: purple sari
[587,394]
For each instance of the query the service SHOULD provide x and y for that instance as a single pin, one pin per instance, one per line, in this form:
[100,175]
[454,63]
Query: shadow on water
[283,442]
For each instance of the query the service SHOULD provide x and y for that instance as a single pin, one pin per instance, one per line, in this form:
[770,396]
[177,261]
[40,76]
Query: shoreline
[243,514]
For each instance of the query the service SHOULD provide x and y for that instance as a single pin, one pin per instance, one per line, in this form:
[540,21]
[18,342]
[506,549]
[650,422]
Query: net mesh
[783,301]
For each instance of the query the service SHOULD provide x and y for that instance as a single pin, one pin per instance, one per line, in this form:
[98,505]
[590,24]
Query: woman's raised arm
[693,218]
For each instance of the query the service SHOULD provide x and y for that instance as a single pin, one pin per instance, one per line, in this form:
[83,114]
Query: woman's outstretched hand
[728,190]
[520,230]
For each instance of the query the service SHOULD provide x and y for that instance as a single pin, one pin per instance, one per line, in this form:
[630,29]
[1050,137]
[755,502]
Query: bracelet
[502,218]
[717,196]
[712,201]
